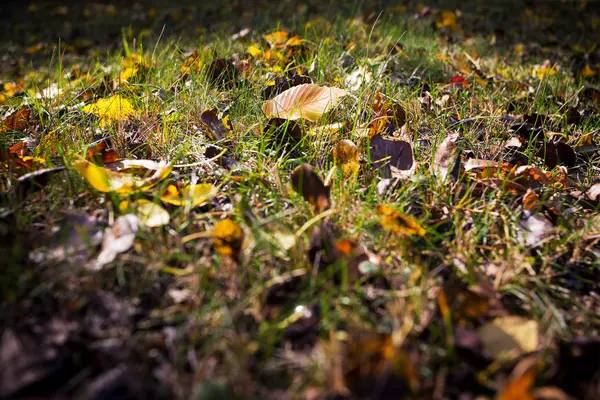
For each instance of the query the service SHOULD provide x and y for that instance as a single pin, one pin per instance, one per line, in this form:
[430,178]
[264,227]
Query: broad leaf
[306,101]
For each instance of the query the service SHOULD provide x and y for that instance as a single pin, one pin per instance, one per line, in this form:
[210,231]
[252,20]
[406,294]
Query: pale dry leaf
[308,101]
[117,239]
[534,229]
[509,336]
[445,155]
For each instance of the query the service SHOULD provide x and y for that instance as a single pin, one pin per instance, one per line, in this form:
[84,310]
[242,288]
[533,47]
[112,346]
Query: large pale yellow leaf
[105,180]
[509,337]
[306,101]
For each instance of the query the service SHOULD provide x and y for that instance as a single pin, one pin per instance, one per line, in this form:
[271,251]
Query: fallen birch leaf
[308,101]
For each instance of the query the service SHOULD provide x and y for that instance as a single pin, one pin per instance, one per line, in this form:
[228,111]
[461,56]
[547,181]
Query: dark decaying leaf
[375,368]
[389,116]
[216,128]
[222,72]
[578,367]
[386,153]
[283,83]
[306,182]
[283,132]
[557,153]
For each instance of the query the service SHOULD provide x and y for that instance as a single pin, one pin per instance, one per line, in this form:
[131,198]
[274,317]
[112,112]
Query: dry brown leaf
[306,101]
[306,182]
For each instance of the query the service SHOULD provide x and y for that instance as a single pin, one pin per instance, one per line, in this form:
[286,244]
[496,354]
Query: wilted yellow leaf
[294,41]
[105,180]
[398,222]
[306,101]
[114,108]
[186,196]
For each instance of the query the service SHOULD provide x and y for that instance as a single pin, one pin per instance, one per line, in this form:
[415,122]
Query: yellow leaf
[105,180]
[114,108]
[448,20]
[128,73]
[184,196]
[228,237]
[345,156]
[398,222]
[276,38]
[544,70]
[149,213]
[294,41]
[306,101]
[254,51]
[587,72]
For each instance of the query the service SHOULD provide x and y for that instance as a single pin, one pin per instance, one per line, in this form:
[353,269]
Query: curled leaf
[306,101]
[149,173]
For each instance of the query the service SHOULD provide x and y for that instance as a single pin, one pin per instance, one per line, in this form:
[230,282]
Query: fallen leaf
[228,238]
[17,121]
[277,39]
[306,182]
[185,196]
[534,229]
[509,337]
[216,128]
[399,223]
[345,156]
[375,364]
[111,109]
[593,193]
[519,387]
[445,156]
[149,213]
[105,180]
[386,153]
[306,101]
[117,239]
